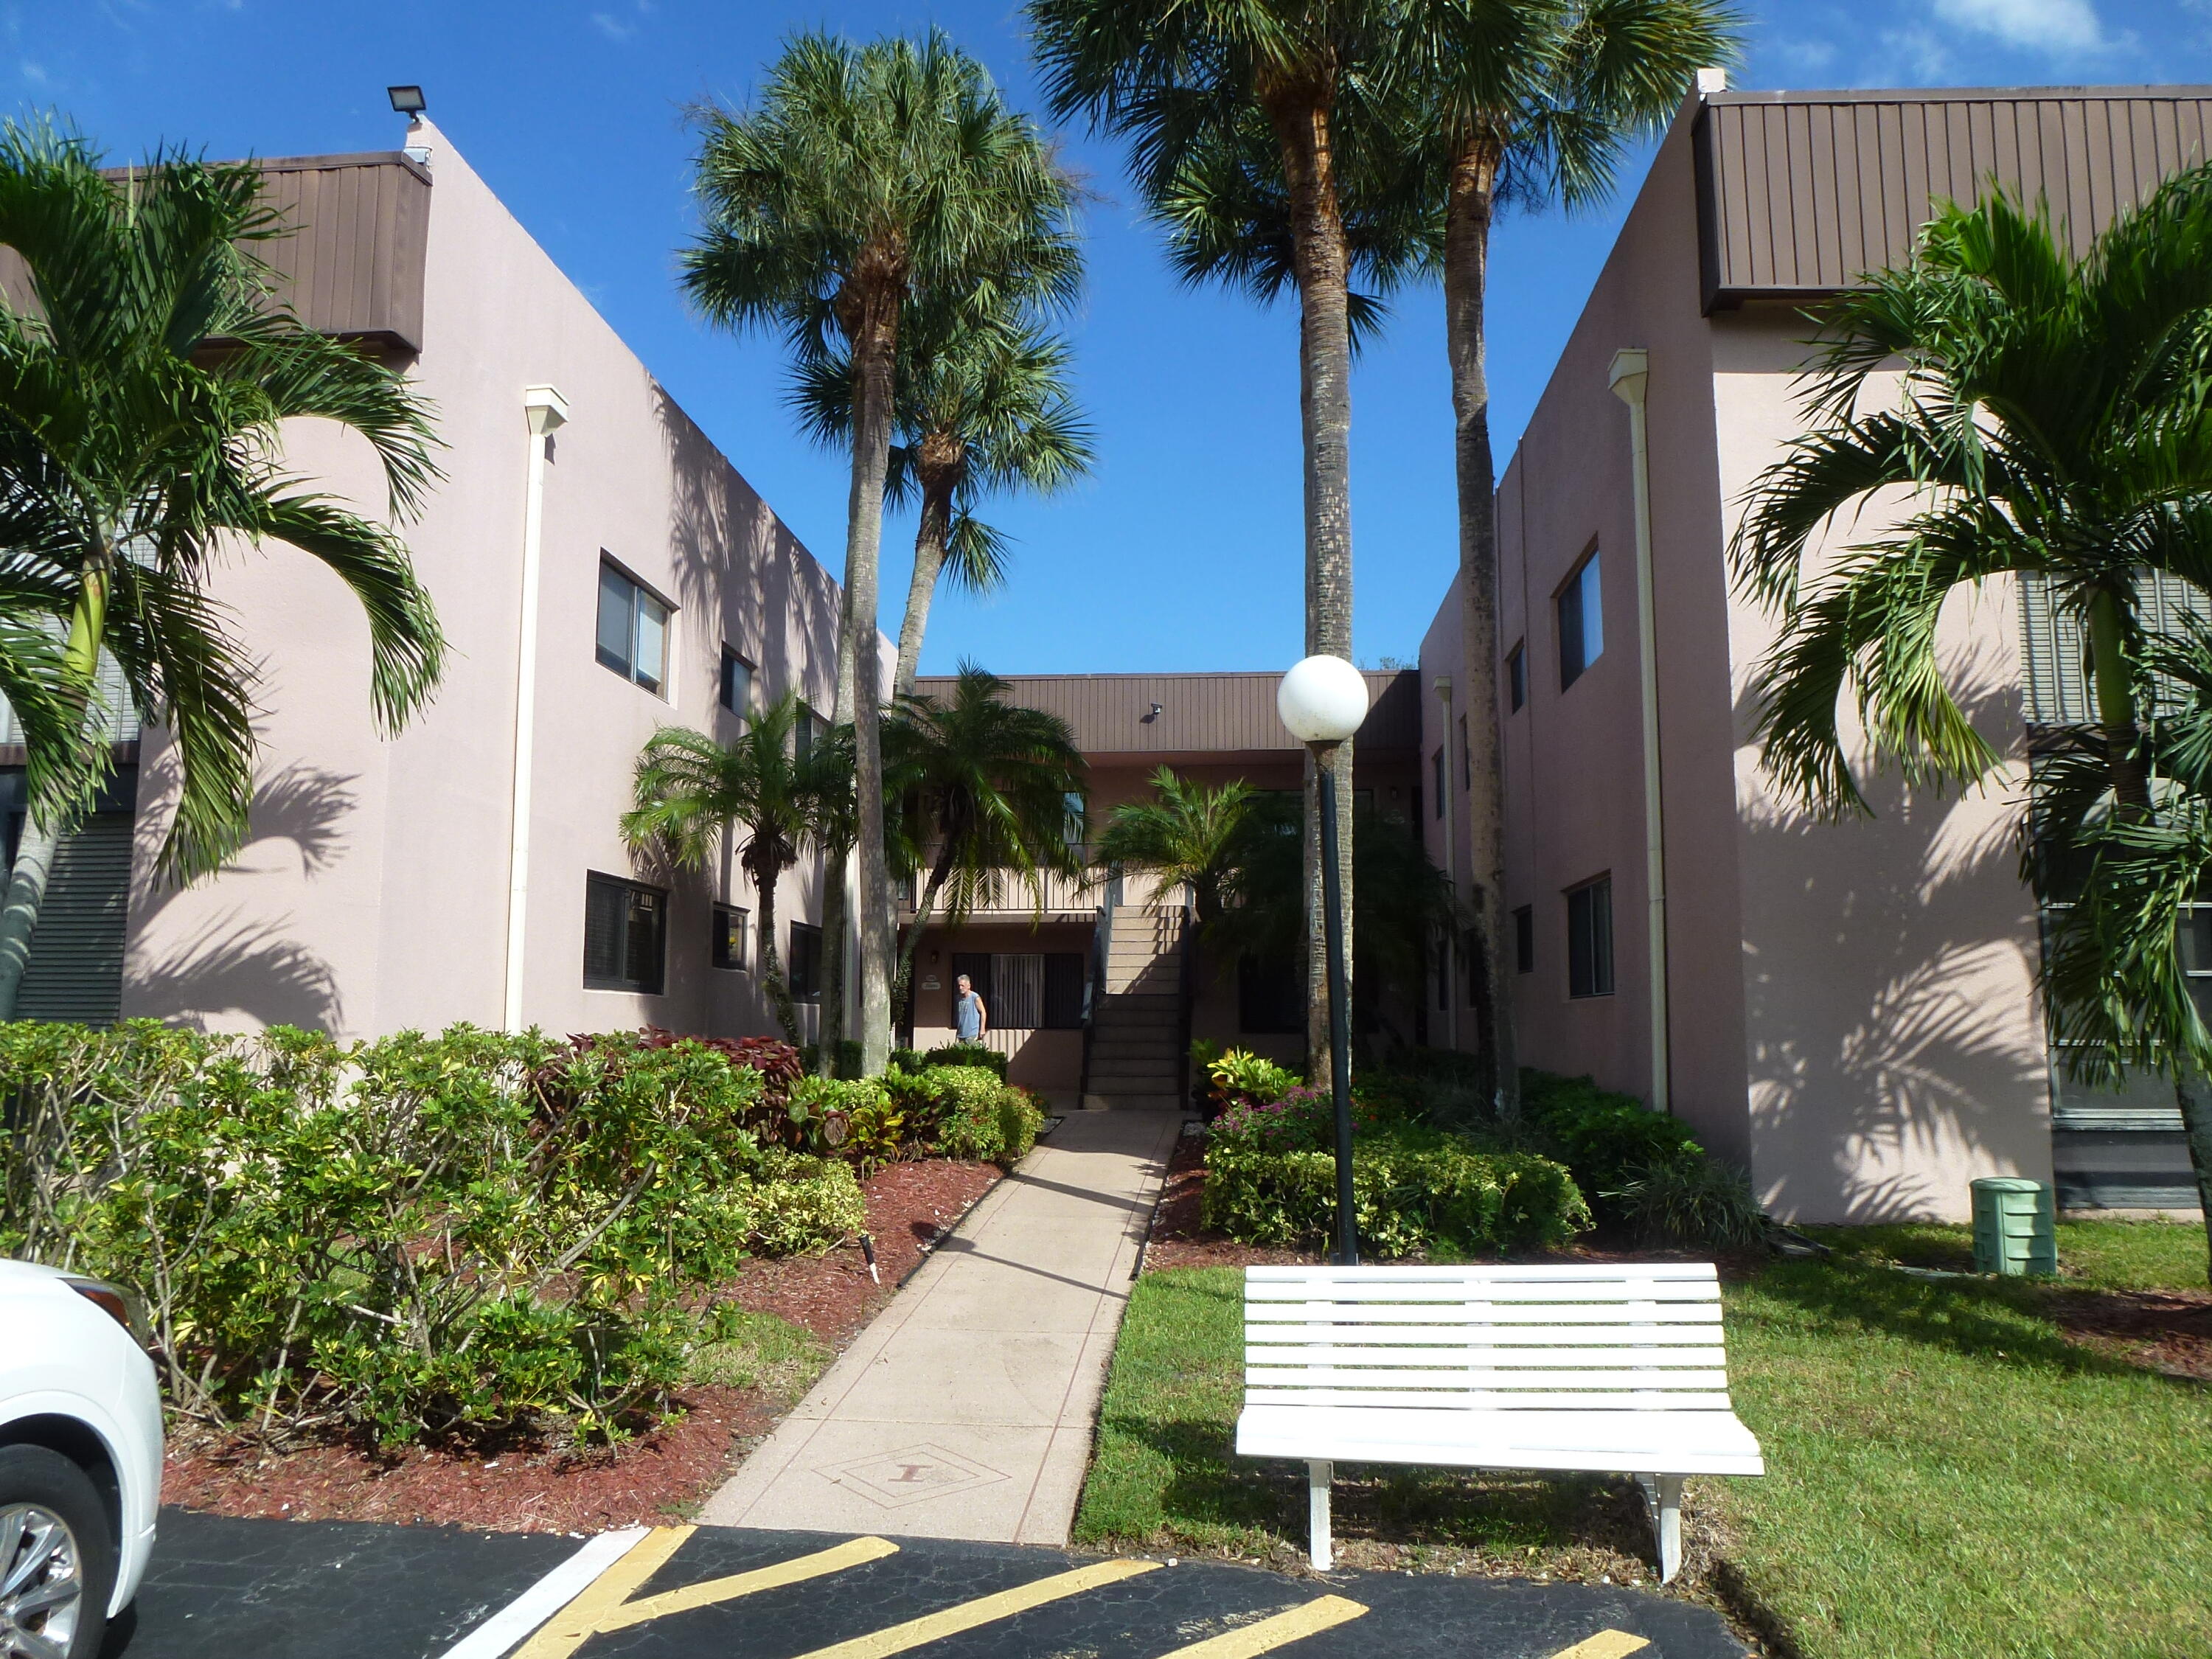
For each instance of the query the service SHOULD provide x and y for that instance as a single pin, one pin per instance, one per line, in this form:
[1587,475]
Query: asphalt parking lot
[276,1589]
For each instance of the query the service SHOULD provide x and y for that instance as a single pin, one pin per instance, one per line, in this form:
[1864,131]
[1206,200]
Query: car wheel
[56,1557]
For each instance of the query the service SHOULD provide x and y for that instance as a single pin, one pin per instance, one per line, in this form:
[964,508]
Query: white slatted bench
[1615,1369]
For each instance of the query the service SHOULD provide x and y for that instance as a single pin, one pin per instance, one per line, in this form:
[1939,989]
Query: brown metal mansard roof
[1800,192]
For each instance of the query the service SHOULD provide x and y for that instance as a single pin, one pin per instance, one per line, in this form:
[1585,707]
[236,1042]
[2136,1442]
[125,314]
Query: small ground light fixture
[407,100]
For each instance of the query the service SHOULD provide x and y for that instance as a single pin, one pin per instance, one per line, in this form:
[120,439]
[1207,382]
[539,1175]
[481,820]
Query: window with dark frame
[737,689]
[803,733]
[803,974]
[1582,622]
[1589,939]
[625,935]
[633,628]
[729,928]
[1517,677]
[1524,939]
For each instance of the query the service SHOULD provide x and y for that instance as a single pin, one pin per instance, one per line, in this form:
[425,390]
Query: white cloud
[1806,55]
[2056,27]
[1915,58]
[615,29]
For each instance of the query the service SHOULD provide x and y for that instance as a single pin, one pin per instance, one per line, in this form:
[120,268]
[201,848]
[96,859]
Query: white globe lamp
[1323,700]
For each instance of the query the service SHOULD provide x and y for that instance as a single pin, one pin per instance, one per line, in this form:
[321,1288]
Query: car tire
[42,1492]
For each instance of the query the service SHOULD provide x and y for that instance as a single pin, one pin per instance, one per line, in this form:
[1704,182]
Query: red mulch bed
[1179,1238]
[529,1486]
[910,1206]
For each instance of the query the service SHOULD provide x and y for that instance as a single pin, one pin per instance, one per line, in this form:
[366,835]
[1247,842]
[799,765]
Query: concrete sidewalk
[965,1410]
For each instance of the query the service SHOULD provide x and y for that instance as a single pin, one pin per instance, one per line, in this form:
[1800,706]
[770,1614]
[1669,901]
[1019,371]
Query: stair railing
[1094,992]
[1187,990]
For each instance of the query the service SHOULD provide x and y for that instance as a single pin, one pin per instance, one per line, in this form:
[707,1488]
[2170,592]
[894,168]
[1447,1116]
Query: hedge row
[1271,1179]
[419,1234]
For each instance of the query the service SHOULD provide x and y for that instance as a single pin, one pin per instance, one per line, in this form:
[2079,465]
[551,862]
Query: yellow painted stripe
[1293,1625]
[794,1571]
[984,1610]
[564,1632]
[1606,1645]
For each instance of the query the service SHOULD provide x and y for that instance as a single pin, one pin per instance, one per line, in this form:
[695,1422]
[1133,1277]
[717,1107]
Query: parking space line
[984,1610]
[566,1631]
[794,1571]
[1606,1645]
[1292,1624]
[544,1598]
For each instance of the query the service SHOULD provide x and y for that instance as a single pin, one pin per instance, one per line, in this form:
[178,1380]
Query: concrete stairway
[1136,1038]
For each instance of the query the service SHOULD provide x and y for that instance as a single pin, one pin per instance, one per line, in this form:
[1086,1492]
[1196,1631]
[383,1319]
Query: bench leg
[1319,1472]
[1662,1497]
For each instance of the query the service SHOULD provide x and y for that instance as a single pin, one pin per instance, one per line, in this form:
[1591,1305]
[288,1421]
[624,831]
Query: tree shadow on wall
[737,563]
[1872,949]
[237,962]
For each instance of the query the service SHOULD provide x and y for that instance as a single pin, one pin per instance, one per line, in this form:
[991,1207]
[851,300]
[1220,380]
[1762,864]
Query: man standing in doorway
[969,1018]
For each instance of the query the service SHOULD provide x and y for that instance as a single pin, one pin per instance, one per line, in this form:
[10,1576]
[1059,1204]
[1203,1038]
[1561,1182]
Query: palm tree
[1188,836]
[142,397]
[1245,118]
[1405,901]
[1525,102]
[2054,421]
[837,824]
[993,790]
[863,178]
[691,790]
[984,406]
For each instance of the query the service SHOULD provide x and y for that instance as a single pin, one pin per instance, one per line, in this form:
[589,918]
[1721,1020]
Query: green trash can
[2015,1227]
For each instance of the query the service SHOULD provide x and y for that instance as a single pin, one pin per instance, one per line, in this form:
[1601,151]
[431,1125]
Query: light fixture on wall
[406,101]
[1323,700]
[1154,715]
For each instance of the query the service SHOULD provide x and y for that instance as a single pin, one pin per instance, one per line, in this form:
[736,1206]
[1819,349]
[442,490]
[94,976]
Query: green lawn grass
[1948,1476]
[748,1350]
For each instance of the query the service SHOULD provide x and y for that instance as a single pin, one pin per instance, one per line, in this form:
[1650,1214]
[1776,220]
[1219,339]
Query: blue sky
[1184,551]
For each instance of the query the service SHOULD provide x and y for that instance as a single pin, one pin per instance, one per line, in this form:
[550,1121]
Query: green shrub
[1693,1199]
[1608,1140]
[1239,1077]
[802,1206]
[985,1119]
[1414,1190]
[416,1234]
[968,1054]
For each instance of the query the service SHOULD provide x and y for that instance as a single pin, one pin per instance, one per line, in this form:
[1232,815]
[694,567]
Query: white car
[80,1459]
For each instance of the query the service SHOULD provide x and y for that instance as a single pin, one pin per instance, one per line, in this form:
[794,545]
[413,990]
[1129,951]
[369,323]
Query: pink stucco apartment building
[600,569]
[1848,1009]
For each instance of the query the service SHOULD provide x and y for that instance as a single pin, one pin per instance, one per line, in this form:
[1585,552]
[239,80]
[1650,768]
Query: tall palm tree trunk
[779,988]
[1299,116]
[929,553]
[1465,275]
[903,987]
[837,923]
[42,832]
[875,349]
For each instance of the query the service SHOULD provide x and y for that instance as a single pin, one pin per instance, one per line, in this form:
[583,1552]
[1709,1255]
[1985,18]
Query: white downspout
[1443,689]
[545,409]
[1631,370]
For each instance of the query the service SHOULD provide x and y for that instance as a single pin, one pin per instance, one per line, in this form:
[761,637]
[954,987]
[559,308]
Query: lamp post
[1322,700]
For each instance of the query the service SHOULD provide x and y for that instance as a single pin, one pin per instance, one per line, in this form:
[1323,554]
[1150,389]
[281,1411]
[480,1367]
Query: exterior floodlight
[1323,700]
[407,100]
